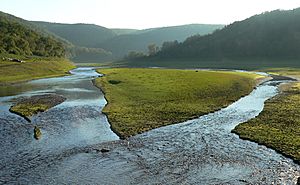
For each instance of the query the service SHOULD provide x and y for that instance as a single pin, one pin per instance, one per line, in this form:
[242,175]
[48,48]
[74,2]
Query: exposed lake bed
[78,146]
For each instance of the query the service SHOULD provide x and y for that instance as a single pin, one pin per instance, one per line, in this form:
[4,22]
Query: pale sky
[142,14]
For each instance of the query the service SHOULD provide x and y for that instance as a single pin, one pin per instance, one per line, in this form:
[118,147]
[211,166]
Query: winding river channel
[199,151]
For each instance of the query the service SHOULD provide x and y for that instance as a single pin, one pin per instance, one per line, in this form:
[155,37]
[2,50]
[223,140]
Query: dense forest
[269,35]
[139,40]
[93,43]
[83,35]
[87,42]
[18,39]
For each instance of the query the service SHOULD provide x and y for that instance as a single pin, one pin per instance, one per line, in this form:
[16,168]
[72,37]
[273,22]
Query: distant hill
[19,37]
[81,39]
[84,35]
[261,39]
[139,40]
[120,31]
[93,43]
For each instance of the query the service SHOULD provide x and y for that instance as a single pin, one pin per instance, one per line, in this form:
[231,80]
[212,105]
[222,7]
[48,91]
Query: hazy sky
[142,13]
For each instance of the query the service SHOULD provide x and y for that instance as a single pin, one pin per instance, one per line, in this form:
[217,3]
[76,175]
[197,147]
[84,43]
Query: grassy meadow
[237,63]
[143,99]
[12,72]
[288,71]
[278,125]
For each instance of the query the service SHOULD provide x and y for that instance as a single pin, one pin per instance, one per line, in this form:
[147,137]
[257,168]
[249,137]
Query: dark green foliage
[15,38]
[139,40]
[271,35]
[152,49]
[114,81]
[84,35]
[117,42]
[132,55]
[168,45]
[83,39]
[84,54]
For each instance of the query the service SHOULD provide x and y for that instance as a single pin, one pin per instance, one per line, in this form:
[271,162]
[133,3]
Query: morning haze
[141,14]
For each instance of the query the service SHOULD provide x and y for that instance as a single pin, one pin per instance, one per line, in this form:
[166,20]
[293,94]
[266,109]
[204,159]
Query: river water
[199,151]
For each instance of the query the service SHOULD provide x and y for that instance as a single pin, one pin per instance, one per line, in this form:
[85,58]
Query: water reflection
[77,122]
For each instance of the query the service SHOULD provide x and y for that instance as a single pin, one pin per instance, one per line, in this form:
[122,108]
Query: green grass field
[238,63]
[12,72]
[143,99]
[288,71]
[278,125]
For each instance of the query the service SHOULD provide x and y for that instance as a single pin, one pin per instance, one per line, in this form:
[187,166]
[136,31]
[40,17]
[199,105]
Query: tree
[169,44]
[152,49]
[15,38]
[135,55]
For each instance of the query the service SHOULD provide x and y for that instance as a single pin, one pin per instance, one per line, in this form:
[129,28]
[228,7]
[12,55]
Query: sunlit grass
[30,106]
[292,72]
[143,99]
[11,72]
[278,126]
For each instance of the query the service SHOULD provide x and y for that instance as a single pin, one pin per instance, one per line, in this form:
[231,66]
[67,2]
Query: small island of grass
[144,99]
[27,107]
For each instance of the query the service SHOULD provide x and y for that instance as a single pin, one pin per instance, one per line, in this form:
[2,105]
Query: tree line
[20,40]
[271,35]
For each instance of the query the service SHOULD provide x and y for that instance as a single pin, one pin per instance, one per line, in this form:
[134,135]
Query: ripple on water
[199,151]
[78,122]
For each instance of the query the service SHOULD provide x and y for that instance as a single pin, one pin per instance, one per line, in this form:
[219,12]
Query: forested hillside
[271,35]
[139,40]
[84,35]
[93,43]
[120,31]
[17,38]
[86,42]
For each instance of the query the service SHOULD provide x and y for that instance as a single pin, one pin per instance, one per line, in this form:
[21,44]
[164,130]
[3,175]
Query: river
[199,151]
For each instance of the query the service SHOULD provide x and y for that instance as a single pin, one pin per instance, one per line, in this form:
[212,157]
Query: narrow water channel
[199,151]
[76,122]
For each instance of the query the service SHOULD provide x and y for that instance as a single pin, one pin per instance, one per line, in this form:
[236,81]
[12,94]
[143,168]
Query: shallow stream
[199,151]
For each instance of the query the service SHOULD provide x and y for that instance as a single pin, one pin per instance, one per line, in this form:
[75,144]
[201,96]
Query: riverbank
[77,143]
[278,125]
[199,151]
[143,99]
[15,72]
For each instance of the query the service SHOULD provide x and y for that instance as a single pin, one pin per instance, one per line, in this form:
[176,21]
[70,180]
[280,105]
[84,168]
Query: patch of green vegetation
[33,68]
[18,38]
[28,109]
[278,125]
[114,81]
[30,106]
[151,98]
[102,64]
[261,64]
[287,71]
[237,40]
[37,133]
